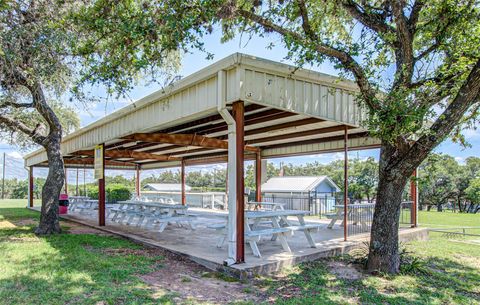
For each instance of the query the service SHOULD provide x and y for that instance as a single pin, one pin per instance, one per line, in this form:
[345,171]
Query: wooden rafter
[183,140]
[90,161]
[137,155]
[294,135]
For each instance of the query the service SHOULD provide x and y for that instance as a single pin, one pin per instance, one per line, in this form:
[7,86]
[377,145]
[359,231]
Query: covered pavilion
[239,108]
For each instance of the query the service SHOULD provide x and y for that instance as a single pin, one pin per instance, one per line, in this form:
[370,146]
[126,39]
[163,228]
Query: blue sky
[197,60]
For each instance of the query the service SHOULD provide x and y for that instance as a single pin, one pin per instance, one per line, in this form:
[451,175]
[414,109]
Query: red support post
[101,193]
[76,188]
[413,194]
[30,187]
[258,177]
[66,181]
[182,175]
[238,114]
[345,181]
[137,181]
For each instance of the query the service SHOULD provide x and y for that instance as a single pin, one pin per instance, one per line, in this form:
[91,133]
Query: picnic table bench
[261,204]
[280,228]
[85,205]
[358,213]
[153,213]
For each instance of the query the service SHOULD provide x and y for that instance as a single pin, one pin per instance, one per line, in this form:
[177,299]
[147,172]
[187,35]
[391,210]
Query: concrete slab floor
[200,244]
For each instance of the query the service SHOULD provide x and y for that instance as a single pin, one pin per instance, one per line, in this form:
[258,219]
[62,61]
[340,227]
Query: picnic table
[358,213]
[154,213]
[74,201]
[85,205]
[261,204]
[278,227]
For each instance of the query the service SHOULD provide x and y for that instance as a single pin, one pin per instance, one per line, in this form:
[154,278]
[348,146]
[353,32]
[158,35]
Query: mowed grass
[68,268]
[447,271]
[80,269]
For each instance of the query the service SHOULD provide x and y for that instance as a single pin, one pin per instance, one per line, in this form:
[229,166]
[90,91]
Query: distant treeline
[443,182]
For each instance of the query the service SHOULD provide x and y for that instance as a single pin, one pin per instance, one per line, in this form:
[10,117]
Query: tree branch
[468,95]
[416,9]
[15,126]
[373,21]
[16,105]
[366,90]
[404,51]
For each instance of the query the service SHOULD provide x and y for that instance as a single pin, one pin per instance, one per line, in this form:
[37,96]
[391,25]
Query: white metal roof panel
[295,184]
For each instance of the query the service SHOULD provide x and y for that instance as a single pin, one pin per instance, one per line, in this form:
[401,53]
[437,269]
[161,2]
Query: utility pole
[3,178]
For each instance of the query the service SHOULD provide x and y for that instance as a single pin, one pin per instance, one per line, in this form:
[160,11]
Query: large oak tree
[417,67]
[50,51]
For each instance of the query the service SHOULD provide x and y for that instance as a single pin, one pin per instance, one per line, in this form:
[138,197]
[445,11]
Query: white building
[166,187]
[313,193]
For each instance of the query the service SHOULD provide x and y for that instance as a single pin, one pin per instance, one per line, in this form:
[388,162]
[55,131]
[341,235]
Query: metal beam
[30,187]
[137,181]
[101,194]
[90,161]
[183,139]
[238,114]
[345,186]
[137,155]
[258,177]
[182,174]
[292,135]
[413,195]
[315,141]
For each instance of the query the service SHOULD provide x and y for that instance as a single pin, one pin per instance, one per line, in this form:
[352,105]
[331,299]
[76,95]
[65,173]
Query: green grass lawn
[82,269]
[67,268]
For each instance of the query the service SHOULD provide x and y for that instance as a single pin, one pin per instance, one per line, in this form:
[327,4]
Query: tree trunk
[49,223]
[384,255]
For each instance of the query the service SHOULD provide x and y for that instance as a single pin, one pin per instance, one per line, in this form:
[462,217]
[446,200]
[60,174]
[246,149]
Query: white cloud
[460,160]
[471,133]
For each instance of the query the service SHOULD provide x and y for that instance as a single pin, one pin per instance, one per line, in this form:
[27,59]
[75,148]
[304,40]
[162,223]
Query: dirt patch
[74,228]
[192,281]
[26,222]
[344,271]
[139,252]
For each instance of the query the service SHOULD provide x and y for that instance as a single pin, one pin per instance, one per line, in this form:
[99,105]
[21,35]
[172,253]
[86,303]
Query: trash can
[63,204]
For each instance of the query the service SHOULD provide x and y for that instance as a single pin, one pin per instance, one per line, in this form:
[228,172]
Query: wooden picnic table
[279,227]
[154,213]
[357,212]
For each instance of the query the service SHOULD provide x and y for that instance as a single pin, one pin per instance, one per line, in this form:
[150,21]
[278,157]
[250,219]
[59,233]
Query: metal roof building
[166,187]
[239,108]
[294,184]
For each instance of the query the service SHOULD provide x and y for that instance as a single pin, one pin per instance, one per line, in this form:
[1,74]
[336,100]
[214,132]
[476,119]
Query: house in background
[166,187]
[314,193]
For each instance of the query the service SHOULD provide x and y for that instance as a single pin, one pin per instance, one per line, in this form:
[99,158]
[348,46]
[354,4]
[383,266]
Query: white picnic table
[278,226]
[154,213]
[85,205]
[74,201]
[260,204]
[357,213]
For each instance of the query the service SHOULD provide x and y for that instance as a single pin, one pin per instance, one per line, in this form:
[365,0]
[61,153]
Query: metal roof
[167,187]
[296,184]
[288,111]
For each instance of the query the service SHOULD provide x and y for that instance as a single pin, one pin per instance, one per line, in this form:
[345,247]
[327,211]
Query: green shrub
[117,192]
[113,192]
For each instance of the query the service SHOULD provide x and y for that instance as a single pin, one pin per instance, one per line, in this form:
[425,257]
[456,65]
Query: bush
[117,192]
[113,192]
